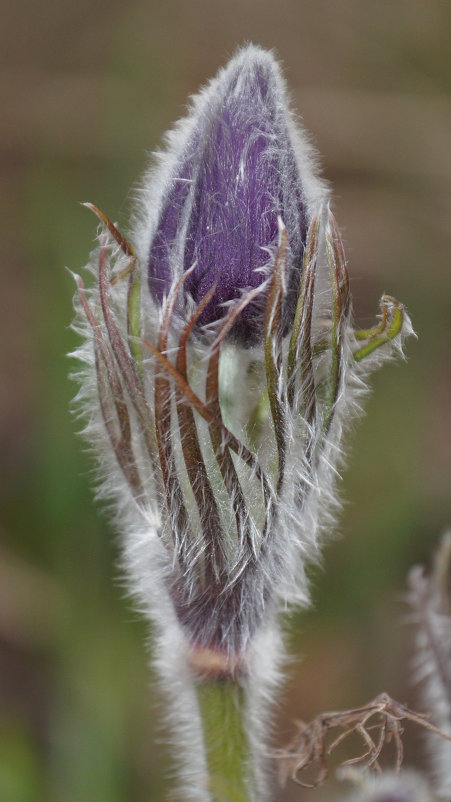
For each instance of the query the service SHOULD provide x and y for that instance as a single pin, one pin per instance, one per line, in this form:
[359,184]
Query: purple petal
[235,176]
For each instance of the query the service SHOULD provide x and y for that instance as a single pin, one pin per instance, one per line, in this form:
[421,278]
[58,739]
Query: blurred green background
[87,89]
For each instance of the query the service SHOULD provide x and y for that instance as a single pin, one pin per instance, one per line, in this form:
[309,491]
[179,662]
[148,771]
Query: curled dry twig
[377,723]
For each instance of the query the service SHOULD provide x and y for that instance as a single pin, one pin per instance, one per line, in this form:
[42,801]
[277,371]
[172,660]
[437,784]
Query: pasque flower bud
[237,165]
[221,458]
[233,479]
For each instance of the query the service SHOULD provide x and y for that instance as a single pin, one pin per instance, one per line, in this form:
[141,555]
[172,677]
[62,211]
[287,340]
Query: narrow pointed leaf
[273,350]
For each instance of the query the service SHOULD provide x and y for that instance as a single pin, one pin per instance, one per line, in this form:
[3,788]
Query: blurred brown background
[86,89]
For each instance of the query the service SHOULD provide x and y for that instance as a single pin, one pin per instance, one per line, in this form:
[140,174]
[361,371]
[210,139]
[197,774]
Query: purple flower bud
[238,162]
[222,466]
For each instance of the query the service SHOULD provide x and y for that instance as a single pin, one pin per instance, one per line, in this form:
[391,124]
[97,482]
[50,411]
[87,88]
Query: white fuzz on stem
[430,599]
[408,786]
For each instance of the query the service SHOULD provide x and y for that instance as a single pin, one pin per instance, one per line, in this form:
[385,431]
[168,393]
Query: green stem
[221,703]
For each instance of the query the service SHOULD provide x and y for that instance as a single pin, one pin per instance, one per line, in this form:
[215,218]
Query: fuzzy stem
[221,703]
